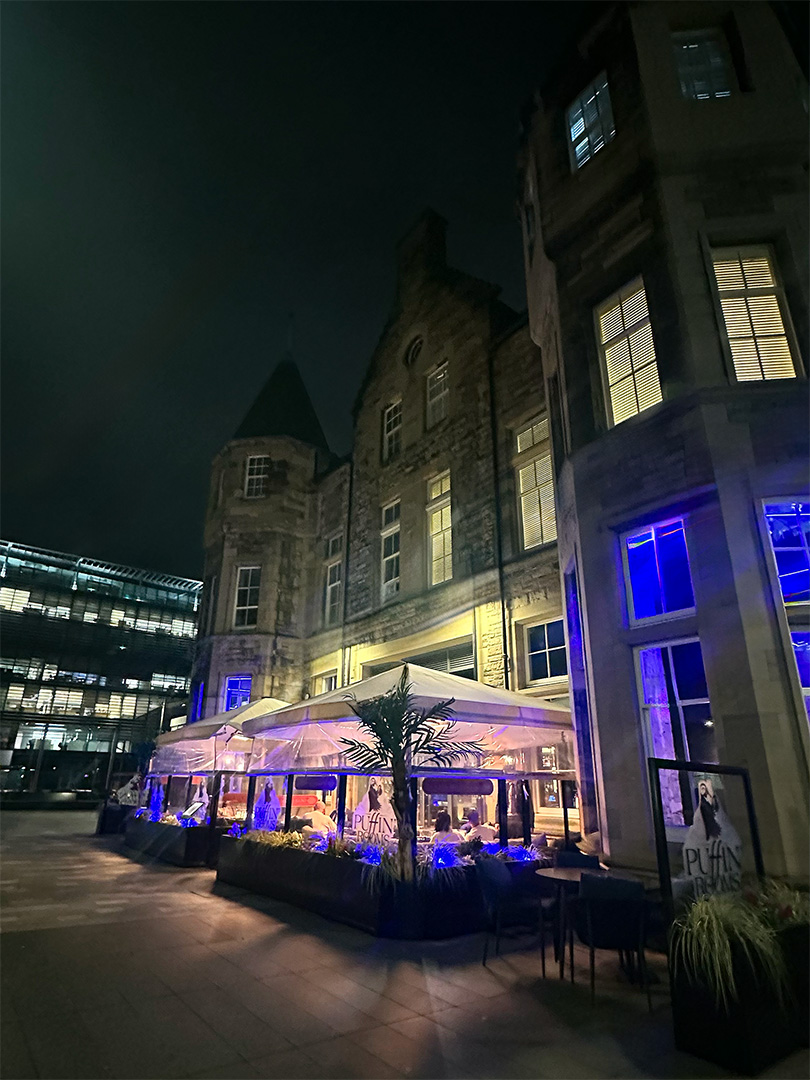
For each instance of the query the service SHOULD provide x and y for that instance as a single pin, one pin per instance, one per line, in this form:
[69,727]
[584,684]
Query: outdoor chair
[576,859]
[505,903]
[610,913]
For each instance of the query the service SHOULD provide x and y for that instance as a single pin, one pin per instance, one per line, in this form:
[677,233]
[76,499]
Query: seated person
[444,833]
[320,823]
[474,830]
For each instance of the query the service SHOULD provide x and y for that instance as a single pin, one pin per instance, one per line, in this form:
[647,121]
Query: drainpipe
[345,667]
[493,423]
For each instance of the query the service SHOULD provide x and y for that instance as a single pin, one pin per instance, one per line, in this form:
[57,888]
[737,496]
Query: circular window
[413,350]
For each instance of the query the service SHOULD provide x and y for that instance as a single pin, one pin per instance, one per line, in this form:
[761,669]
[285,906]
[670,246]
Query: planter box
[795,941]
[194,846]
[756,1033]
[111,818]
[335,888]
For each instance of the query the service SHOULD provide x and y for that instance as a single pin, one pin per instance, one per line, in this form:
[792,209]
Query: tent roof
[221,724]
[474,702]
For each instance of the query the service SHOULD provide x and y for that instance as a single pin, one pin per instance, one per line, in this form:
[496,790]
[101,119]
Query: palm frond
[363,756]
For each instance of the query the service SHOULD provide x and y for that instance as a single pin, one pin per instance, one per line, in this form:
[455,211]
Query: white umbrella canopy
[508,727]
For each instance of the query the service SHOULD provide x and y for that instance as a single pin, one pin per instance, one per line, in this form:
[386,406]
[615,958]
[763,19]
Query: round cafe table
[567,878]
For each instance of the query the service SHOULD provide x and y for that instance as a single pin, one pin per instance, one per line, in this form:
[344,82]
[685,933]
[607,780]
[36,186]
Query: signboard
[712,851]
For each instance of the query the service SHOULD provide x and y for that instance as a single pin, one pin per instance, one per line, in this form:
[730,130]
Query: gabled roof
[283,407]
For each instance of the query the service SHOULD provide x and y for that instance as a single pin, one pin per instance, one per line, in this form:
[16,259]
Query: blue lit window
[198,703]
[237,691]
[659,581]
[677,717]
[590,122]
[545,651]
[801,649]
[789,526]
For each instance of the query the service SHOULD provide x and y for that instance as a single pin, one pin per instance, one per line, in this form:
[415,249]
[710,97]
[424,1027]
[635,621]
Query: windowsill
[659,620]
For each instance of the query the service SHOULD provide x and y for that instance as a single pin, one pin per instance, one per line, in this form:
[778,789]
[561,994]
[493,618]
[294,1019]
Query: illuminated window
[440,529]
[659,581]
[754,313]
[677,717]
[801,649]
[389,546]
[438,392]
[789,528]
[590,123]
[703,64]
[324,684]
[14,599]
[237,691]
[535,484]
[14,696]
[246,609]
[67,701]
[392,431]
[160,681]
[331,608]
[545,651]
[197,707]
[257,471]
[628,353]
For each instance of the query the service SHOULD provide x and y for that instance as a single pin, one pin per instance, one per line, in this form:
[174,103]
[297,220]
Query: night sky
[177,178]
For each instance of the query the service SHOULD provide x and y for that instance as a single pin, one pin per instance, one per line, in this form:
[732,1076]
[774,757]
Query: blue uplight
[155,802]
[445,856]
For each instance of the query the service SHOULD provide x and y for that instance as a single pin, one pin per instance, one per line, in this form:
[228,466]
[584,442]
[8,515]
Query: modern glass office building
[96,659]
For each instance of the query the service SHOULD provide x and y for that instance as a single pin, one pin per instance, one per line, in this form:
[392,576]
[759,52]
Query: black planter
[755,1032]
[338,888]
[111,818]
[795,942]
[193,846]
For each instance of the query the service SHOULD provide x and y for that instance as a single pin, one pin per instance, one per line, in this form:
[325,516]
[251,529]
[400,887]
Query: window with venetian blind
[754,313]
[440,530]
[535,484]
[628,353]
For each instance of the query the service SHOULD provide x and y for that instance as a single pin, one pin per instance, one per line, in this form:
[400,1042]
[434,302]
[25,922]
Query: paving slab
[114,967]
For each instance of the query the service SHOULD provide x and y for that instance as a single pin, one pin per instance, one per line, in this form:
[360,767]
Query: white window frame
[235,675]
[674,832]
[527,627]
[665,616]
[437,395]
[333,591]
[334,546]
[392,430]
[439,502]
[600,132]
[534,482]
[247,587]
[793,617]
[257,473]
[633,326]
[752,297]
[389,588]
[325,682]
[699,39]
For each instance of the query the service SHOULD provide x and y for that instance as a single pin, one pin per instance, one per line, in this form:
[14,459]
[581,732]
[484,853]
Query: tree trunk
[402,811]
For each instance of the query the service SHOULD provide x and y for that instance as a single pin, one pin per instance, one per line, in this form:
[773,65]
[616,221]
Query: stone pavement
[115,967]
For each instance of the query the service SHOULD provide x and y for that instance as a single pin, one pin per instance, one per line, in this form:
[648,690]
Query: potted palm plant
[401,733]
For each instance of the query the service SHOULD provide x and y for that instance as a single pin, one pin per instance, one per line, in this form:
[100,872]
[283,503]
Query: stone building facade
[434,542]
[665,203]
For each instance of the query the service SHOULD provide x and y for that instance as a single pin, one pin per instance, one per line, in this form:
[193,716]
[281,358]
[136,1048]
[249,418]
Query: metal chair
[506,902]
[610,913]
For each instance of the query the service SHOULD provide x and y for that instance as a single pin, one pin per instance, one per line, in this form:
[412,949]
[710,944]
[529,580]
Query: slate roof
[283,407]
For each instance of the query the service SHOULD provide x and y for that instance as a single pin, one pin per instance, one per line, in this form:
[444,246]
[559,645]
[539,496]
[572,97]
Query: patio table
[567,879]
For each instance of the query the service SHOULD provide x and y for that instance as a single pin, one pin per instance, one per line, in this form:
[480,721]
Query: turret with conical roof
[283,407]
